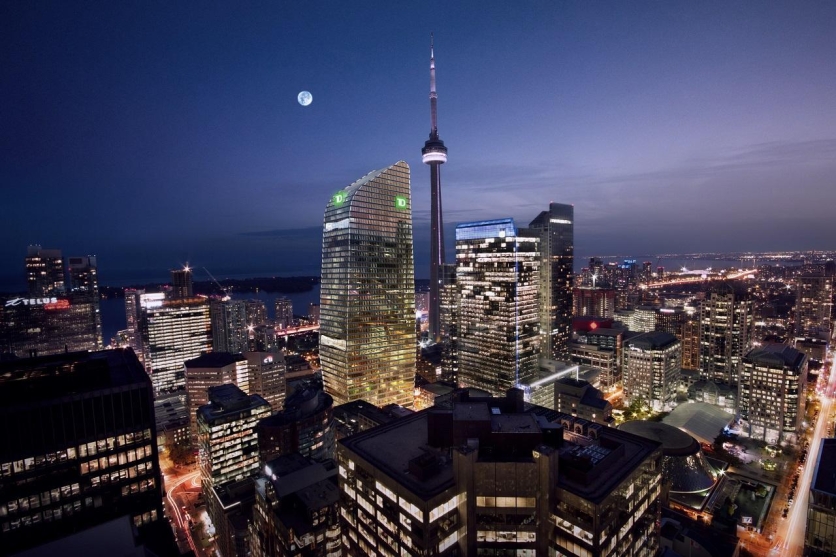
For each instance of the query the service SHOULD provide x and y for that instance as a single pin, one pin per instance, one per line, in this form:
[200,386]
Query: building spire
[433,94]
[434,154]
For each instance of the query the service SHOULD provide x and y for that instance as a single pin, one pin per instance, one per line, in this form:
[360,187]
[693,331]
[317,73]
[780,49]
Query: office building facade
[771,393]
[297,509]
[367,301]
[211,370]
[726,328]
[268,377]
[171,332]
[813,306]
[556,228]
[77,446]
[227,437]
[44,272]
[230,332]
[652,363]
[487,477]
[498,280]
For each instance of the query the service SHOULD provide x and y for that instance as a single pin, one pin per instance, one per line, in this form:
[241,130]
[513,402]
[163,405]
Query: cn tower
[435,154]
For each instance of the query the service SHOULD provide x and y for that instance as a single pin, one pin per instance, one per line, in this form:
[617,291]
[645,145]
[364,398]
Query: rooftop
[214,359]
[824,479]
[587,472]
[26,380]
[701,420]
[777,355]
[653,340]
[674,441]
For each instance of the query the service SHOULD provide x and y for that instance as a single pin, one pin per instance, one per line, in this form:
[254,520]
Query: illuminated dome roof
[684,466]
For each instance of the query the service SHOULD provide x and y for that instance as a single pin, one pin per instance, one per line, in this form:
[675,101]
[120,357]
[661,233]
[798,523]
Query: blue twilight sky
[152,133]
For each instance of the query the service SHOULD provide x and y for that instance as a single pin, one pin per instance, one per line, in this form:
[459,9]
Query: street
[790,536]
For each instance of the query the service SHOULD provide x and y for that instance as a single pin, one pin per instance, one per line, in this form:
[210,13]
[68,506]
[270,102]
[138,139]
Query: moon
[305,98]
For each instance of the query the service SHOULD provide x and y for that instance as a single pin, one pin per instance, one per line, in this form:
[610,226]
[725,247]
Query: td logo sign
[400,202]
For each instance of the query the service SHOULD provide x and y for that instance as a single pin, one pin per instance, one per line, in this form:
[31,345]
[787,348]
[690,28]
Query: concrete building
[557,247]
[497,275]
[44,272]
[182,286]
[449,320]
[489,476]
[56,316]
[771,396]
[652,362]
[606,359]
[367,301]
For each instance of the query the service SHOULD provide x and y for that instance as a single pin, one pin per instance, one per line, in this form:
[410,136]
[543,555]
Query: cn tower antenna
[434,154]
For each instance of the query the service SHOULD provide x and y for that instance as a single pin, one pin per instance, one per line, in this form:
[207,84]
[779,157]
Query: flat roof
[390,447]
[824,479]
[59,376]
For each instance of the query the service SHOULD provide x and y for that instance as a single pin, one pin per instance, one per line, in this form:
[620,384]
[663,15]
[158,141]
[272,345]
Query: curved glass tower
[367,303]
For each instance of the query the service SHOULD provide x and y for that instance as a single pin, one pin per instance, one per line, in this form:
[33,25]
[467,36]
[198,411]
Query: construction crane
[223,290]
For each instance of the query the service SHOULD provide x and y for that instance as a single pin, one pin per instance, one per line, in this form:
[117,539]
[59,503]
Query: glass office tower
[367,301]
[497,276]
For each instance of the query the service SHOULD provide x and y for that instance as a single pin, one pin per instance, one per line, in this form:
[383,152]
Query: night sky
[152,134]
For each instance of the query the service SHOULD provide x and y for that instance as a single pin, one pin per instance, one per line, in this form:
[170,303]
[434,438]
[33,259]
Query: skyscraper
[367,301]
[227,437]
[54,318]
[284,312]
[181,281]
[556,227]
[771,395]
[44,271]
[652,363]
[813,306]
[171,332]
[84,288]
[77,447]
[497,274]
[726,324]
[434,154]
[229,326]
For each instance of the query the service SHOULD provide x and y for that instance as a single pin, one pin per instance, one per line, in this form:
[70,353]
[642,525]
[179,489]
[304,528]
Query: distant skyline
[152,134]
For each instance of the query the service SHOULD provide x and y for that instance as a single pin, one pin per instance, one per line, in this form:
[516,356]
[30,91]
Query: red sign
[58,304]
